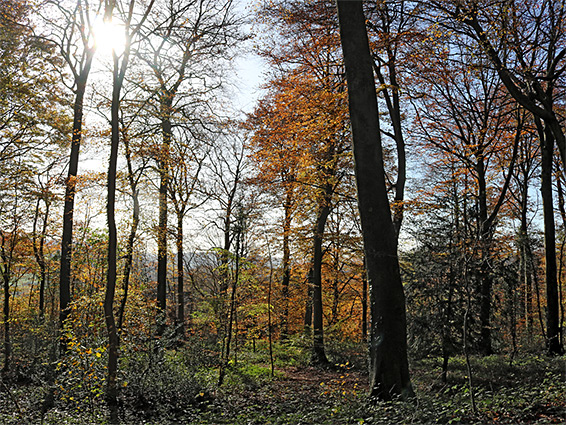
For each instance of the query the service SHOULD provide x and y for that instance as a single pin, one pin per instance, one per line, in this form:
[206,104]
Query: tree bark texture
[388,363]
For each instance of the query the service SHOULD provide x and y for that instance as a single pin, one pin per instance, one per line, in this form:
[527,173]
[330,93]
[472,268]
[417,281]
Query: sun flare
[109,36]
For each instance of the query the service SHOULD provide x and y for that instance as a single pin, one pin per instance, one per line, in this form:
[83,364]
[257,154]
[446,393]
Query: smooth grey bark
[388,362]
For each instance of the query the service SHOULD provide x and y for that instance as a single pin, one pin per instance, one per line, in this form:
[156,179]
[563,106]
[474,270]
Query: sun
[109,36]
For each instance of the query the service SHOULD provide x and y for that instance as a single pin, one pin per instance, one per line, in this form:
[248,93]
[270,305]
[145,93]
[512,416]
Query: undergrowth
[179,385]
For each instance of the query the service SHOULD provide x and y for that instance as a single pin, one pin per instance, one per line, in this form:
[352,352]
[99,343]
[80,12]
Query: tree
[468,116]
[388,363]
[189,154]
[392,25]
[71,30]
[307,108]
[183,43]
[34,124]
[525,43]
[119,74]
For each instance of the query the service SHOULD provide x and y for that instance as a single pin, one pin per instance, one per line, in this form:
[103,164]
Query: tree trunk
[38,251]
[524,268]
[113,341]
[180,330]
[552,321]
[166,128]
[318,355]
[131,237]
[485,280]
[70,190]
[286,263]
[388,363]
[364,304]
[308,305]
[6,266]
[232,314]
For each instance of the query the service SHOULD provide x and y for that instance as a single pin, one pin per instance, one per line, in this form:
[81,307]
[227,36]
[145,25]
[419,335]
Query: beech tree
[388,363]
[467,115]
[70,26]
[311,81]
[392,28]
[183,44]
[524,42]
[189,154]
[124,11]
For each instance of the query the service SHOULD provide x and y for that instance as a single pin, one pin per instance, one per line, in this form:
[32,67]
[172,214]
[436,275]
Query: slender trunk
[70,190]
[180,330]
[166,128]
[38,251]
[524,266]
[286,263]
[388,362]
[552,321]
[446,337]
[111,273]
[466,351]
[308,306]
[318,355]
[6,268]
[485,279]
[129,258]
[335,300]
[394,108]
[536,289]
[232,313]
[512,317]
[562,210]
[364,304]
[269,327]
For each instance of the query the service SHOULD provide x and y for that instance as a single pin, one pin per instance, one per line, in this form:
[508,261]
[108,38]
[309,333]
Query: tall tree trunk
[394,108]
[286,262]
[232,314]
[180,329]
[6,268]
[364,304]
[308,304]
[129,257]
[552,321]
[485,279]
[318,355]
[38,251]
[524,266]
[166,129]
[113,340]
[388,363]
[70,190]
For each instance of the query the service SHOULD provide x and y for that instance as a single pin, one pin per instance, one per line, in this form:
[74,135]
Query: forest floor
[530,390]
